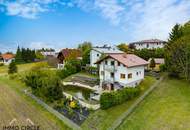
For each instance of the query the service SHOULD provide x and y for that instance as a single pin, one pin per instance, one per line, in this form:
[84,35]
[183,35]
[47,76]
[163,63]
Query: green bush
[163,68]
[12,68]
[71,67]
[45,84]
[110,99]
[1,64]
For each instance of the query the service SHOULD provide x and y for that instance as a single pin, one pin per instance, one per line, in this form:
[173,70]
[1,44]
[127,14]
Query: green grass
[166,108]
[21,67]
[16,87]
[102,119]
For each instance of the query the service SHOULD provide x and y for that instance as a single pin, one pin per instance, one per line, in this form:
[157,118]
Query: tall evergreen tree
[177,54]
[18,57]
[152,63]
[175,33]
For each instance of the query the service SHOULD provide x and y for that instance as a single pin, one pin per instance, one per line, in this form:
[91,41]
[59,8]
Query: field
[15,105]
[21,67]
[103,119]
[166,108]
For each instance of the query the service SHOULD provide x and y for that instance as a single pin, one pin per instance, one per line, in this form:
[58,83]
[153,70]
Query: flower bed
[72,110]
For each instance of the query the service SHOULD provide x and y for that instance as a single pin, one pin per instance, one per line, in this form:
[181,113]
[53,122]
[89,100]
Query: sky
[66,23]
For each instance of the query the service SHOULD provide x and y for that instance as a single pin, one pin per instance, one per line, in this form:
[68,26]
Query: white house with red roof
[117,71]
[149,44]
[98,51]
[6,59]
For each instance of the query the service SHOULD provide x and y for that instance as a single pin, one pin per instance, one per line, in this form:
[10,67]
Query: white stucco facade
[97,52]
[94,56]
[126,77]
[7,61]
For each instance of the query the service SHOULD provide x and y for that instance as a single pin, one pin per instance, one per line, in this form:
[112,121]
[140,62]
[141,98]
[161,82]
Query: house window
[106,62]
[137,73]
[112,75]
[122,76]
[112,63]
[130,76]
[102,72]
[97,55]
[118,63]
[147,45]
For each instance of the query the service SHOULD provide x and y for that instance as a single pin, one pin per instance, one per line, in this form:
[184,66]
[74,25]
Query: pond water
[80,93]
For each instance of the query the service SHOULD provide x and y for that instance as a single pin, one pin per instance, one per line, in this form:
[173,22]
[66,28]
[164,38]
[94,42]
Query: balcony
[110,68]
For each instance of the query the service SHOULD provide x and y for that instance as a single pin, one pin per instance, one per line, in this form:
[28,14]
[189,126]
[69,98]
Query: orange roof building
[7,58]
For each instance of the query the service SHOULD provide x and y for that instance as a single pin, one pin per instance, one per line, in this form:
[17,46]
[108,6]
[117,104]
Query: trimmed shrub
[110,99]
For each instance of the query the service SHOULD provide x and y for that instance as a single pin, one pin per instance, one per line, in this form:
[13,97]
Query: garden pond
[83,94]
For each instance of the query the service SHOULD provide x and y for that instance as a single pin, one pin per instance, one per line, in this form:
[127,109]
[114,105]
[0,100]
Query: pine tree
[18,57]
[12,68]
[176,33]
[152,63]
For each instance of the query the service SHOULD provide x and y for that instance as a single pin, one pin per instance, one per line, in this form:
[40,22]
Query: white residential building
[6,59]
[48,53]
[97,52]
[149,44]
[120,70]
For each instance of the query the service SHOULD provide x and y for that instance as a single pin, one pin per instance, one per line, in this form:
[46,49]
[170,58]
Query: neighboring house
[66,53]
[121,70]
[6,59]
[158,62]
[97,52]
[48,53]
[149,44]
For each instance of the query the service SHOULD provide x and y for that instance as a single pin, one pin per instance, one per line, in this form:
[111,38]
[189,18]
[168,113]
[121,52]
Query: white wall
[121,70]
[151,45]
[7,62]
[94,56]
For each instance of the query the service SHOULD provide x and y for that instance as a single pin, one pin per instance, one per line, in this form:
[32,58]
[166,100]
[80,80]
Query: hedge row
[110,99]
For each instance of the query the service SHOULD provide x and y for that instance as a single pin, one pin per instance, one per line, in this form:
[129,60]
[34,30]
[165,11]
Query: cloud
[26,8]
[110,9]
[156,18]
[141,19]
[39,45]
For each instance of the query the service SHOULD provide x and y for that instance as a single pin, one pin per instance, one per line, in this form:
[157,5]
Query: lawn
[21,67]
[102,119]
[166,108]
[15,104]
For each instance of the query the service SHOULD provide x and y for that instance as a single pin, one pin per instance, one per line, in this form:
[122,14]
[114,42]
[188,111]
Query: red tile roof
[149,41]
[129,60]
[7,56]
[66,52]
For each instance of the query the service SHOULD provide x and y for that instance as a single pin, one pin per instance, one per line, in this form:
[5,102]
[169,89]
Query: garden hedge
[109,99]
